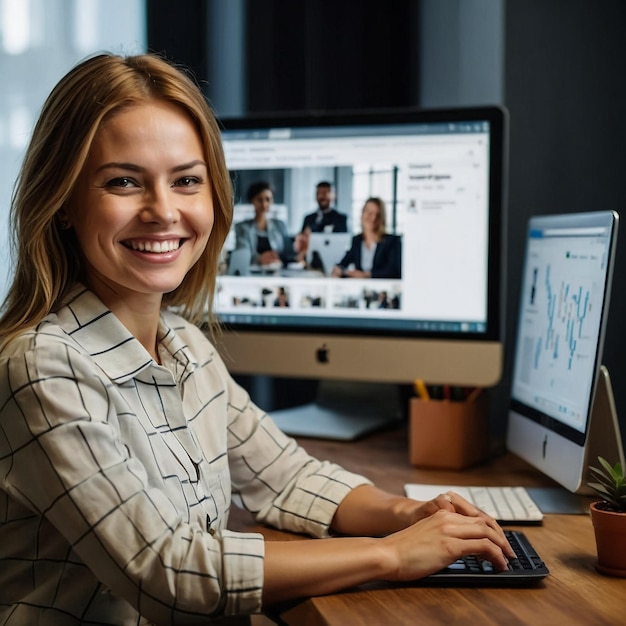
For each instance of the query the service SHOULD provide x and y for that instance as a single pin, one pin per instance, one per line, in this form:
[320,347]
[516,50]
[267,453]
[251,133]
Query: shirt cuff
[313,503]
[243,555]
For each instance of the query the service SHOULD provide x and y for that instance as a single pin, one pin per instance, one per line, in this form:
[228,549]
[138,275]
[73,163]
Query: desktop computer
[442,176]
[562,414]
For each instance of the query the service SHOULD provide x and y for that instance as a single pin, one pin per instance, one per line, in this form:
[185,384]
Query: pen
[473,394]
[422,391]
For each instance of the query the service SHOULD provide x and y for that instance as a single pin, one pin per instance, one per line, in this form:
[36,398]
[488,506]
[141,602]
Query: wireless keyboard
[526,569]
[508,505]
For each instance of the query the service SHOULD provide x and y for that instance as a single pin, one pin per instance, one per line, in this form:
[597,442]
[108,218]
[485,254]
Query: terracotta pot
[610,531]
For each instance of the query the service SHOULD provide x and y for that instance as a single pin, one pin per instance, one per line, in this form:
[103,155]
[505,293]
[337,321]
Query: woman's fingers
[462,506]
[444,537]
[453,502]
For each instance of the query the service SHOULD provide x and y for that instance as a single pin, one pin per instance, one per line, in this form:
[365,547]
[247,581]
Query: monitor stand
[604,439]
[343,411]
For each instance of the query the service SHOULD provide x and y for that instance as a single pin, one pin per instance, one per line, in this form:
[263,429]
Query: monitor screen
[372,250]
[564,305]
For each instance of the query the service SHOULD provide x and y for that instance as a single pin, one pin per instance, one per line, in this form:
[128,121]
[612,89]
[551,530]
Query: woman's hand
[443,537]
[453,502]
[431,534]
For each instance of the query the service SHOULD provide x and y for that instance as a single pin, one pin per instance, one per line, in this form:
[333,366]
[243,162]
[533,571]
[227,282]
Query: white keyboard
[505,504]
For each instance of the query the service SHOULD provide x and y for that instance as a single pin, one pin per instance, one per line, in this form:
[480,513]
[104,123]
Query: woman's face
[370,216]
[262,202]
[142,209]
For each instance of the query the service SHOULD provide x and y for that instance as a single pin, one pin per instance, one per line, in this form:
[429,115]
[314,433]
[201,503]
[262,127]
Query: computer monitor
[441,175]
[562,412]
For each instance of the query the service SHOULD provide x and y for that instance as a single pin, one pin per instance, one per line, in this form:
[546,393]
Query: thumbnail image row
[299,296]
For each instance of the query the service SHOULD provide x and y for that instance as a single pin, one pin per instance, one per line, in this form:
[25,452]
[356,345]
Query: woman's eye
[122,181]
[187,181]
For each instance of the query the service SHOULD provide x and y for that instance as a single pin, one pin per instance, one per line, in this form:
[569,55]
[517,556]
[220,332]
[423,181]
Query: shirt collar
[86,319]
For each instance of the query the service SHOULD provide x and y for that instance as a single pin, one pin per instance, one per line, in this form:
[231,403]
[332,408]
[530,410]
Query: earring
[64,223]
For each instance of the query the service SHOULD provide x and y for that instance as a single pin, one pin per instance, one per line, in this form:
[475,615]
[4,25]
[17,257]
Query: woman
[123,435]
[373,253]
[266,238]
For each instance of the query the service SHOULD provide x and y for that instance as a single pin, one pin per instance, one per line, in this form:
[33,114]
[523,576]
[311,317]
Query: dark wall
[567,101]
[324,54]
[178,31]
[304,55]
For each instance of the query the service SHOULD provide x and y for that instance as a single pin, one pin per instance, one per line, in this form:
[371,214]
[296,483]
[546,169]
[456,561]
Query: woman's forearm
[370,512]
[316,567]
[306,568]
[297,569]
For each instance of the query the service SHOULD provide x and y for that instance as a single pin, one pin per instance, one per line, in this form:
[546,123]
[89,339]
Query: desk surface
[574,593]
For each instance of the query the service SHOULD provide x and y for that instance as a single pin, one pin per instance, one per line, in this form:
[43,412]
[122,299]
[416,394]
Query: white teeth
[154,246]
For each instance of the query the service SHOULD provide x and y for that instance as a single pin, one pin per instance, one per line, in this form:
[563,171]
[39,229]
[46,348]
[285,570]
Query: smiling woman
[150,215]
[143,88]
[123,437]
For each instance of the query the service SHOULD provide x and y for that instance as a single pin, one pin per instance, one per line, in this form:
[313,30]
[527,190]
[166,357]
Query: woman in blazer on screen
[374,253]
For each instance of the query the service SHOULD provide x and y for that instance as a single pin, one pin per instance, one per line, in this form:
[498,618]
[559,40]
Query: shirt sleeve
[61,456]
[278,481]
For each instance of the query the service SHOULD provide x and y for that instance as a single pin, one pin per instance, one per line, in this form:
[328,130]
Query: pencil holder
[448,434]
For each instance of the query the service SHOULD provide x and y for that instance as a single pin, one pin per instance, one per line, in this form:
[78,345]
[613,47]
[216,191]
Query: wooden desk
[574,593]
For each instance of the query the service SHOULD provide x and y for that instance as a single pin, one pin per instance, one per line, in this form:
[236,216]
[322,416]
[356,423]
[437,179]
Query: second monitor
[562,410]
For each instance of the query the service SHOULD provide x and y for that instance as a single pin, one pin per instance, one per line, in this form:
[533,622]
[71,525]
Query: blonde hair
[46,256]
[381,220]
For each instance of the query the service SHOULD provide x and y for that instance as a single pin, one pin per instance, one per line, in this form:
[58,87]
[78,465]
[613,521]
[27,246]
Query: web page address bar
[559,232]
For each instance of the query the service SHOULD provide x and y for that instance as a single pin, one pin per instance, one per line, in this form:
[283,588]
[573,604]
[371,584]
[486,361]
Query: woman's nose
[160,206]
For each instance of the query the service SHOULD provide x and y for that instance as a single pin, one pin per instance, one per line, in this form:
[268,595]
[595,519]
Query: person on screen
[374,253]
[123,435]
[326,219]
[282,298]
[265,237]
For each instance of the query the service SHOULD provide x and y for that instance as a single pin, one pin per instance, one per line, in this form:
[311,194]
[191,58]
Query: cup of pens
[449,426]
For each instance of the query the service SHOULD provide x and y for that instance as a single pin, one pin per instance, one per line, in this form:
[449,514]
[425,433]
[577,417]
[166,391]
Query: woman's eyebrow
[138,168]
[119,166]
[188,166]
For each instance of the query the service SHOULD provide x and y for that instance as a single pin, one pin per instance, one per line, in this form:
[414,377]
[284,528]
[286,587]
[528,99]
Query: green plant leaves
[611,483]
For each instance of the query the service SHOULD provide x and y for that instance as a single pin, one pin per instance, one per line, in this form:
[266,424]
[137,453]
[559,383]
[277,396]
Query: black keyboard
[527,568]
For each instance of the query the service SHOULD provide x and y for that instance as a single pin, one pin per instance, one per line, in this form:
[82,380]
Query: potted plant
[608,516]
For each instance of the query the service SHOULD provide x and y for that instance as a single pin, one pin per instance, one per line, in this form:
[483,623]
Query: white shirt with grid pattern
[116,476]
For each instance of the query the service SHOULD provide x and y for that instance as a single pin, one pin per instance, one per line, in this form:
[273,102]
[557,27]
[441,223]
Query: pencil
[422,391]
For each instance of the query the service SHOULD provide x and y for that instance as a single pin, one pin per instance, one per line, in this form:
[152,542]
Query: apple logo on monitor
[322,354]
